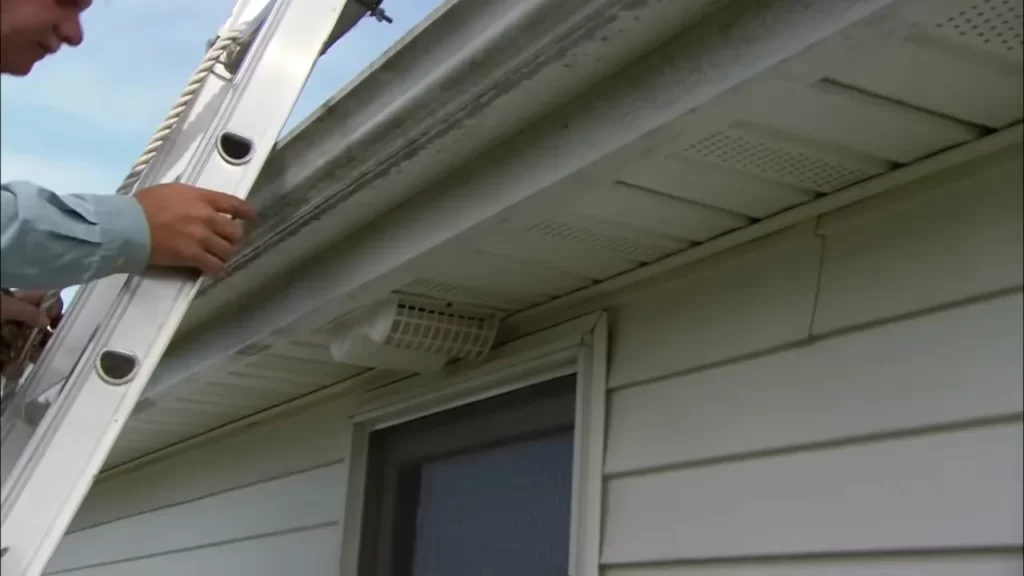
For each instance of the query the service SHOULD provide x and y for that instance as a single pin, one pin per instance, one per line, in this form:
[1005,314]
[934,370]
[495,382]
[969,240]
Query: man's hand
[192,227]
[26,307]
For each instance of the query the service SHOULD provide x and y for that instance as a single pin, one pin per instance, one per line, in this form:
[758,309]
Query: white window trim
[579,346]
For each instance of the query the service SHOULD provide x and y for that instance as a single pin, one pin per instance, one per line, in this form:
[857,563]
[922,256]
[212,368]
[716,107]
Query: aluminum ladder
[69,409]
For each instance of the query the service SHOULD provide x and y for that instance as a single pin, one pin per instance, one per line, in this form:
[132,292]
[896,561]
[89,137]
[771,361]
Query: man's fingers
[230,205]
[210,264]
[22,311]
[218,246]
[230,230]
[56,309]
[33,297]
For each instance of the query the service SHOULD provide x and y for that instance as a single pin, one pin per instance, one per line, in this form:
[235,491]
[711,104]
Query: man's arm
[52,242]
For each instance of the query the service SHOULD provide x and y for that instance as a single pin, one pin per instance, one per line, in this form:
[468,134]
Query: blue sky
[79,120]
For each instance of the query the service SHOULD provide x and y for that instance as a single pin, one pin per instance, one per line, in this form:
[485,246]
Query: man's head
[31,30]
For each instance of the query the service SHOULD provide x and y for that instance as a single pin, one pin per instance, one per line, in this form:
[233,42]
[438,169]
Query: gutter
[727,48]
[472,74]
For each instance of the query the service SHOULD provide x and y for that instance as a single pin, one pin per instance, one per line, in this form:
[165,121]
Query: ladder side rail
[53,476]
[177,149]
[96,300]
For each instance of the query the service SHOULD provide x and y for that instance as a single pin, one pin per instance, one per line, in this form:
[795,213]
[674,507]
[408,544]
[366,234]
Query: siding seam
[979,298]
[1015,417]
[974,299]
[854,555]
[271,534]
[243,486]
[821,239]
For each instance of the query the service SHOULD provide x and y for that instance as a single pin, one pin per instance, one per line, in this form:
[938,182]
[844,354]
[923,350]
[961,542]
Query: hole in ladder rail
[117,367]
[234,149]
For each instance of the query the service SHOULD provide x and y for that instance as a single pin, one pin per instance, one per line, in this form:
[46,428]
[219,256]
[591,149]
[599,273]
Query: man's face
[31,30]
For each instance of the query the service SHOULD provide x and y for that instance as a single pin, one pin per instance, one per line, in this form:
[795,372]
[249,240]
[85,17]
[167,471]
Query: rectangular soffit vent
[992,26]
[783,161]
[605,237]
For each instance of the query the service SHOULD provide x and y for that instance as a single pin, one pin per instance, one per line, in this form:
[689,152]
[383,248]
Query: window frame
[576,348]
[401,451]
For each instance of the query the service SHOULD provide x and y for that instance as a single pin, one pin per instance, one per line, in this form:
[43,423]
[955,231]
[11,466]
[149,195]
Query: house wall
[842,398]
[265,501]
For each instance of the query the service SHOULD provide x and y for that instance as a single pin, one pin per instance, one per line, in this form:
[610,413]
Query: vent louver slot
[620,244]
[779,161]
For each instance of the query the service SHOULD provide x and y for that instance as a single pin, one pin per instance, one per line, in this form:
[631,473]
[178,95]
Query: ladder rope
[219,47]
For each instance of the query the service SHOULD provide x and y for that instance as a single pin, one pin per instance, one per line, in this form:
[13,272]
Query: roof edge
[730,47]
[441,70]
[425,100]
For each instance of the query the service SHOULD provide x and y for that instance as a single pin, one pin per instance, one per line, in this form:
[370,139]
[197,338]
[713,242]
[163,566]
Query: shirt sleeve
[50,242]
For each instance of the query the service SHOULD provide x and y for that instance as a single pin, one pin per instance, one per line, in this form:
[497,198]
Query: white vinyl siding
[842,398]
[264,501]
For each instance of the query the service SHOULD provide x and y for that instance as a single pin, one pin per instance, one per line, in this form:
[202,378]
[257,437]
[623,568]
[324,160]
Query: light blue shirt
[51,242]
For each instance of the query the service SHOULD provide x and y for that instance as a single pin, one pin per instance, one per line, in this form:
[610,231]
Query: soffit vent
[469,295]
[404,333]
[994,26]
[602,236]
[781,161]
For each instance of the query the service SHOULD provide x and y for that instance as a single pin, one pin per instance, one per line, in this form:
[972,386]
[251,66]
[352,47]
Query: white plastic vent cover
[782,162]
[404,334]
[995,26]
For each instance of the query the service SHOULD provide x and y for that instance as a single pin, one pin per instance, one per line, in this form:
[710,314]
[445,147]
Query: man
[50,242]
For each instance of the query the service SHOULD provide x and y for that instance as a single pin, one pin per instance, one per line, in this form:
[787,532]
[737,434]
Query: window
[485,488]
